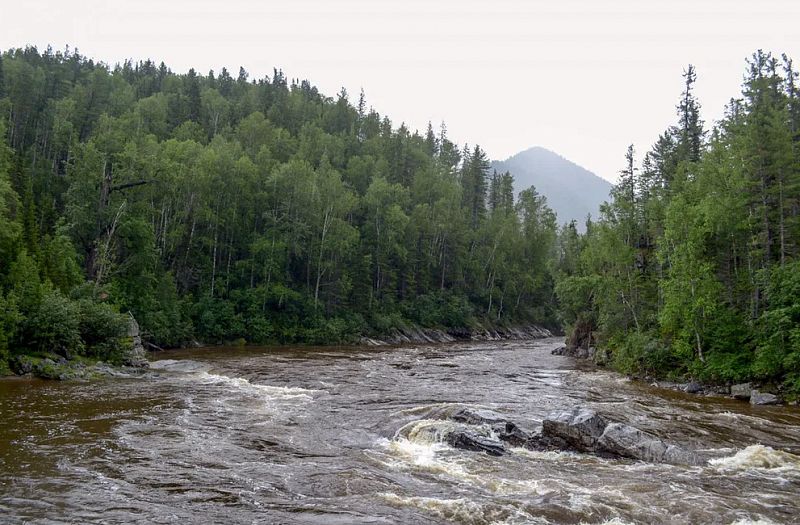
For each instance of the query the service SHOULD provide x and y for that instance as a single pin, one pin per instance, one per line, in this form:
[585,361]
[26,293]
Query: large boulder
[586,431]
[741,391]
[579,428]
[506,430]
[629,442]
[763,398]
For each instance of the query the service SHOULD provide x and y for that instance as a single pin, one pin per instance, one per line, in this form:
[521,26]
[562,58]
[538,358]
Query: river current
[335,436]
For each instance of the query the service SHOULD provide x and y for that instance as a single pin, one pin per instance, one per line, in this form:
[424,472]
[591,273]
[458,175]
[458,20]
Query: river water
[333,436]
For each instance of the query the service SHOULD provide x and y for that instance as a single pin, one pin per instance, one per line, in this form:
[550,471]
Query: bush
[641,354]
[54,326]
[103,330]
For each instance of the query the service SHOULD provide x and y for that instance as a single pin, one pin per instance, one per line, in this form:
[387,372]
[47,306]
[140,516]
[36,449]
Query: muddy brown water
[332,436]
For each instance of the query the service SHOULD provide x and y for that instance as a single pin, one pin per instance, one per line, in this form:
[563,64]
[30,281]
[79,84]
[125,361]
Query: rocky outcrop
[134,355]
[55,366]
[630,442]
[417,335]
[763,398]
[579,429]
[586,431]
[507,431]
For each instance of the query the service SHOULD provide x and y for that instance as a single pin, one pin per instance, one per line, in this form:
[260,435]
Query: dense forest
[216,209]
[693,269]
[219,208]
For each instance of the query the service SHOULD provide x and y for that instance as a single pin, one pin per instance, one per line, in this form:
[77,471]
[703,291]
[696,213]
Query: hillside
[571,191]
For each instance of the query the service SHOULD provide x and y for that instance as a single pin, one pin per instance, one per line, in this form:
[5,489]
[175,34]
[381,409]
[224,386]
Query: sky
[583,78]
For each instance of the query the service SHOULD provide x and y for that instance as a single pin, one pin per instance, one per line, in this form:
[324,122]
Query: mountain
[572,192]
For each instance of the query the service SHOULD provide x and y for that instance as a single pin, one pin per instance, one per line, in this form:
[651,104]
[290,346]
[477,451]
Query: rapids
[353,436]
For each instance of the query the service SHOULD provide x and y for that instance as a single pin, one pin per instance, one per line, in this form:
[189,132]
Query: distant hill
[572,191]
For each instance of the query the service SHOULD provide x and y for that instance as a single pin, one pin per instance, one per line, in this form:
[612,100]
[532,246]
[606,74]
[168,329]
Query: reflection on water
[353,435]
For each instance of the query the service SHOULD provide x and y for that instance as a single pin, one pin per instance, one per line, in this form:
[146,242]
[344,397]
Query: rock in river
[763,398]
[464,439]
[579,428]
[506,430]
[741,391]
[586,431]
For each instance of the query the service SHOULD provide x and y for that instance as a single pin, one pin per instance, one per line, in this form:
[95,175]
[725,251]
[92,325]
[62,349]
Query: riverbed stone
[580,428]
[693,387]
[584,430]
[507,431]
[467,440]
[21,365]
[741,391]
[478,416]
[763,398]
[626,441]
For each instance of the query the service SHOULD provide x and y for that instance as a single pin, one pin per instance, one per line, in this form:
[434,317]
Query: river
[330,436]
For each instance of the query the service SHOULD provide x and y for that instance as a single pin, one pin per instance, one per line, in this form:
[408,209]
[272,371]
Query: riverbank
[414,334]
[133,362]
[754,392]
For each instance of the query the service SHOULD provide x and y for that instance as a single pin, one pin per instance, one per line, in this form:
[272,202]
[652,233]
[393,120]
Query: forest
[218,209]
[221,209]
[692,269]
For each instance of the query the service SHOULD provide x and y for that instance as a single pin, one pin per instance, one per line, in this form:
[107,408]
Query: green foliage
[643,353]
[52,326]
[693,267]
[102,330]
[778,347]
[445,310]
[220,209]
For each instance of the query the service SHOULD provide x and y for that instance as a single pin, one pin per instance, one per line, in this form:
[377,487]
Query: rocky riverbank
[419,335]
[755,393]
[132,361]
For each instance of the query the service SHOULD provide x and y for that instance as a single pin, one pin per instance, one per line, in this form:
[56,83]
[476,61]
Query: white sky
[583,78]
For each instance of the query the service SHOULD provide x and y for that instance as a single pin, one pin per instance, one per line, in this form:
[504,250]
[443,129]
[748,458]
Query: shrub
[54,326]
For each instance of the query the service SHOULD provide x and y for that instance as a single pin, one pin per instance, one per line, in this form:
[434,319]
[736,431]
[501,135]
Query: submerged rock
[763,398]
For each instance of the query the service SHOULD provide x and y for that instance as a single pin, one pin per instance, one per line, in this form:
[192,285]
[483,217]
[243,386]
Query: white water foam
[462,510]
[181,366]
[759,457]
[198,372]
[272,392]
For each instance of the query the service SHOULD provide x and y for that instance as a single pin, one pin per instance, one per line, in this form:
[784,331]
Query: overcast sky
[583,78]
